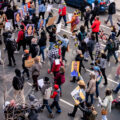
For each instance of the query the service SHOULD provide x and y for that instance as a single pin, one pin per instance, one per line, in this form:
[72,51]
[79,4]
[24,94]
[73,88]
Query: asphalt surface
[66,101]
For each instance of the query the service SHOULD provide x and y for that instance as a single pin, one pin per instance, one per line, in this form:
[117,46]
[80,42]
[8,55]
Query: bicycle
[103,36]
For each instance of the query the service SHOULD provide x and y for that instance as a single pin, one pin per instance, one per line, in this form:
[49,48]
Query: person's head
[103,55]
[17,72]
[92,75]
[42,2]
[88,9]
[26,51]
[96,2]
[37,59]
[46,80]
[82,28]
[65,36]
[75,13]
[56,87]
[62,69]
[22,27]
[97,17]
[108,92]
[81,84]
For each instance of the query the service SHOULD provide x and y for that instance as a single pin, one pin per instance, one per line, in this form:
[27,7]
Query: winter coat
[107,102]
[56,95]
[36,69]
[46,91]
[91,86]
[20,36]
[59,78]
[42,41]
[18,82]
[91,45]
[62,11]
[95,26]
[10,14]
[9,46]
[111,8]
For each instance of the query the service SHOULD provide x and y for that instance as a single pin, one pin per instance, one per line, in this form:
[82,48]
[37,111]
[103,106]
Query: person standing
[10,47]
[62,13]
[21,39]
[36,72]
[18,85]
[95,27]
[42,9]
[111,11]
[46,91]
[106,104]
[91,87]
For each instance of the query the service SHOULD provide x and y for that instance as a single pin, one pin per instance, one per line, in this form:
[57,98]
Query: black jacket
[112,8]
[34,50]
[18,82]
[9,13]
[42,41]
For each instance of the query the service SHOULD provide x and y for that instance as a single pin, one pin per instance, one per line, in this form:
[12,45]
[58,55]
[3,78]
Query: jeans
[51,45]
[25,70]
[110,54]
[64,18]
[91,95]
[11,57]
[117,88]
[64,49]
[110,18]
[45,103]
[56,104]
[104,117]
[97,89]
[104,74]
[42,52]
[96,34]
[35,82]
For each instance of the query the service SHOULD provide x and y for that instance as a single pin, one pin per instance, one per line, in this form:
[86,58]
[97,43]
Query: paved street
[66,101]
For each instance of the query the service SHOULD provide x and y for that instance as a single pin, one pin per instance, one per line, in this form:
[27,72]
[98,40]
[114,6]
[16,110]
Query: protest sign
[78,95]
[41,23]
[75,68]
[59,27]
[29,30]
[29,63]
[41,83]
[49,7]
[51,20]
[70,16]
[17,17]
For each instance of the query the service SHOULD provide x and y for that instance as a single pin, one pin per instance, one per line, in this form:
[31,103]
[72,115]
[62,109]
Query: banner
[51,21]
[75,69]
[59,27]
[78,95]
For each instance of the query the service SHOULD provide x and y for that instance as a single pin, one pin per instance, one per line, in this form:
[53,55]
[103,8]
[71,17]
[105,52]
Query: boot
[71,115]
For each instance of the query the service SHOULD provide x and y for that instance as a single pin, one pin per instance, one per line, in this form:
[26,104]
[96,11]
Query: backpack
[116,45]
[77,20]
[81,36]
[13,45]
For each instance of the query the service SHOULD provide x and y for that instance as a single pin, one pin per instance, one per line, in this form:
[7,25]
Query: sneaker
[58,111]
[104,84]
[16,51]
[71,115]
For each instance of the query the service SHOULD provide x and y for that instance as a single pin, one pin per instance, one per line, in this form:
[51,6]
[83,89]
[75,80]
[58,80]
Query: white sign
[41,83]
[70,16]
[59,27]
[57,62]
[49,7]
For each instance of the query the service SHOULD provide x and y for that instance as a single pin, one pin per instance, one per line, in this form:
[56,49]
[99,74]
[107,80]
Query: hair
[37,59]
[22,27]
[65,36]
[18,72]
[62,69]
[92,76]
[108,92]
[103,55]
[82,28]
[88,104]
[82,86]
[97,17]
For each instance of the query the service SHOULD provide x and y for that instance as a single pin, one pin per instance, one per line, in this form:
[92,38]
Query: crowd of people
[34,35]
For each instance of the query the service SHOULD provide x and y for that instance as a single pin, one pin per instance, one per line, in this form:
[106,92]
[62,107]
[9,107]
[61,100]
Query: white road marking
[66,102]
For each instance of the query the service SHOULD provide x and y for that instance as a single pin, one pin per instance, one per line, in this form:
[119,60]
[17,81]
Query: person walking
[42,9]
[62,13]
[47,91]
[106,104]
[95,27]
[36,72]
[91,88]
[21,39]
[42,44]
[111,12]
[18,86]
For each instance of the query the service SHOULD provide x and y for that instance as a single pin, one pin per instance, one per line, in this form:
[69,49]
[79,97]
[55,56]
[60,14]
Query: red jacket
[20,36]
[56,68]
[95,26]
[62,12]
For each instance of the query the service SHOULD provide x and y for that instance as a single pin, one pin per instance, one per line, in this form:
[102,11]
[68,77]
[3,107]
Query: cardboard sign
[26,1]
[78,95]
[57,61]
[29,63]
[75,68]
[51,21]
[17,17]
[59,27]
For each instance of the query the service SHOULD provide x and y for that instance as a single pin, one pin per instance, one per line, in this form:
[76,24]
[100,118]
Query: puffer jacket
[95,26]
[62,11]
[91,86]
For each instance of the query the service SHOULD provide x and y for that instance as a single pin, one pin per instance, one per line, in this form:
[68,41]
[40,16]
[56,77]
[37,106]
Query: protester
[18,85]
[42,9]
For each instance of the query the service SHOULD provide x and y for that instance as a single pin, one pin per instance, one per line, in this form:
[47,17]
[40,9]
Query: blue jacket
[42,8]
